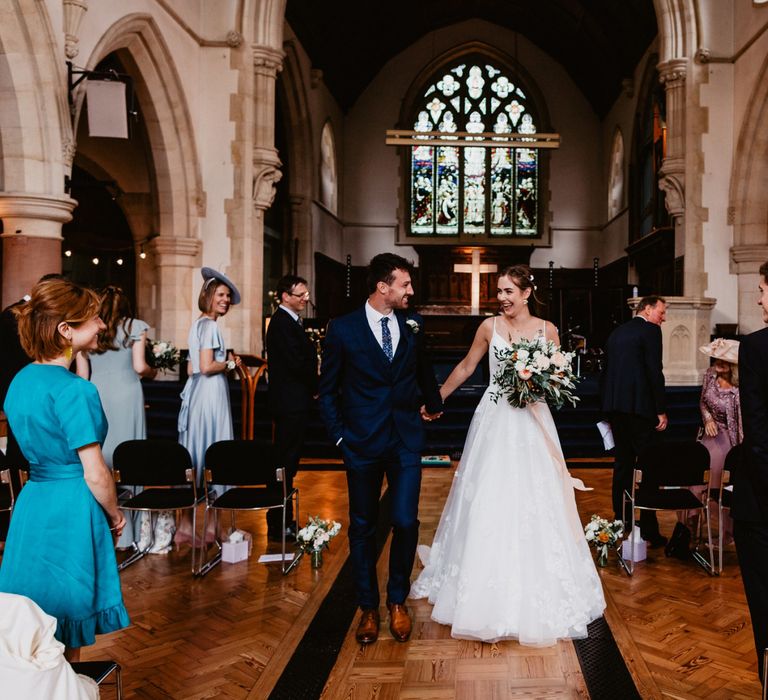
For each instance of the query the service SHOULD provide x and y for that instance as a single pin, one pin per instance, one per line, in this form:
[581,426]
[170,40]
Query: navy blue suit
[373,404]
[632,398]
[750,487]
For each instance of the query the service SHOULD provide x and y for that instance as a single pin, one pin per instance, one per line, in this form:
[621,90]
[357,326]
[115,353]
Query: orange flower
[603,537]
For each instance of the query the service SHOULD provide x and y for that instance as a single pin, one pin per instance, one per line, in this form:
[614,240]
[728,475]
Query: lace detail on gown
[509,559]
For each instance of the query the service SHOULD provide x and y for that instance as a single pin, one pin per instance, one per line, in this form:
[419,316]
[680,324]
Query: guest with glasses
[292,358]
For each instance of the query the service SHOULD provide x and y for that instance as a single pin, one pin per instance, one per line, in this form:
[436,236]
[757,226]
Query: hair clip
[530,277]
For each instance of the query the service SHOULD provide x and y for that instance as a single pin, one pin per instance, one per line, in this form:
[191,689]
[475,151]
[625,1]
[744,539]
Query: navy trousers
[364,479]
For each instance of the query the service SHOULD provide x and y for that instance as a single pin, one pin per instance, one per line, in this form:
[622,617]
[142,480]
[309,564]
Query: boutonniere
[413,325]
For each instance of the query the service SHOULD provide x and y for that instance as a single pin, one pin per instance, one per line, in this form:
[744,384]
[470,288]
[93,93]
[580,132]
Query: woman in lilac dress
[720,408]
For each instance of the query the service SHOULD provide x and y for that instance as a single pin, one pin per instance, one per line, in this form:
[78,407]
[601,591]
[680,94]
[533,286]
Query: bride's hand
[427,416]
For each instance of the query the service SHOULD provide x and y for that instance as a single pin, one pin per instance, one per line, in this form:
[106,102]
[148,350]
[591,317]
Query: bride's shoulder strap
[494,324]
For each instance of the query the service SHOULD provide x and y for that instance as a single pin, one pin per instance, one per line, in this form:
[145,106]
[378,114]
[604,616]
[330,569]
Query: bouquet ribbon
[569,482]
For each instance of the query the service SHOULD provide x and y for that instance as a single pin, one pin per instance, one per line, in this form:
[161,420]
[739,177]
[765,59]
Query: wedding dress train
[509,559]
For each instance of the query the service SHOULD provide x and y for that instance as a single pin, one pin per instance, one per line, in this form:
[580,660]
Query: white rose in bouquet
[559,360]
[522,354]
[541,361]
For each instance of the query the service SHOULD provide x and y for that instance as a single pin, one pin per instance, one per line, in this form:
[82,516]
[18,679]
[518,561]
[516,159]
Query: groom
[373,381]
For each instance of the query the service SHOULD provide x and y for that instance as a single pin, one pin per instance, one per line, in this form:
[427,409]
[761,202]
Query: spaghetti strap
[494,324]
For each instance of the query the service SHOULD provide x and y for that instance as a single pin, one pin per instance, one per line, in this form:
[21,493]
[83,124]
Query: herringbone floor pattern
[683,634]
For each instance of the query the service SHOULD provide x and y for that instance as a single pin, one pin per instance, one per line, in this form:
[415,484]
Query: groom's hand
[427,416]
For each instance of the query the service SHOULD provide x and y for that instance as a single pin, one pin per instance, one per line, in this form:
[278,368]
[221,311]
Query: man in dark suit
[750,488]
[632,396]
[292,358]
[375,378]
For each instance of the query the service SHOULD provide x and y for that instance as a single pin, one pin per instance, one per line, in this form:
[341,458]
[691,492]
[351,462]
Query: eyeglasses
[305,295]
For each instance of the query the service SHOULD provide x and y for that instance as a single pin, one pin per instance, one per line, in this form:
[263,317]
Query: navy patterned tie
[386,339]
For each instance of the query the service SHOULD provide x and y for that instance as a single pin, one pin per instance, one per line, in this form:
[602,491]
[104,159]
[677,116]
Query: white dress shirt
[293,314]
[374,321]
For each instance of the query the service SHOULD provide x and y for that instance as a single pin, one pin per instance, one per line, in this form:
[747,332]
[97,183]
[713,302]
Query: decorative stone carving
[265,177]
[679,344]
[68,150]
[268,61]
[672,73]
[73,15]
[35,214]
[234,39]
[674,188]
[703,55]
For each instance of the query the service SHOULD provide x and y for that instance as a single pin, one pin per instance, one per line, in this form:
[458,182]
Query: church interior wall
[372,169]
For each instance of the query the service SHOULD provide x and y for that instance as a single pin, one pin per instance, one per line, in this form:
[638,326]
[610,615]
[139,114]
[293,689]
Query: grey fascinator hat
[209,275]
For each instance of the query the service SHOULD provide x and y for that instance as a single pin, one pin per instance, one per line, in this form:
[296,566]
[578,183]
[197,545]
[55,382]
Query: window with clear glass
[490,193]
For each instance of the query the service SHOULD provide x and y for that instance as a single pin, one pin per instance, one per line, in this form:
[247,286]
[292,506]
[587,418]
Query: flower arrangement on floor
[315,537]
[532,370]
[603,534]
[162,355]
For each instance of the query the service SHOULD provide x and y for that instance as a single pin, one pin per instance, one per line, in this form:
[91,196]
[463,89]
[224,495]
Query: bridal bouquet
[603,534]
[315,537]
[532,370]
[161,354]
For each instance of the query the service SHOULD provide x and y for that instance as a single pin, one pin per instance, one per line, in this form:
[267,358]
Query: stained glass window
[473,191]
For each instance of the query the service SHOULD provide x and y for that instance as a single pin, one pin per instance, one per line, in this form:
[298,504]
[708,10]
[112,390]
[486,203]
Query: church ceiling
[598,42]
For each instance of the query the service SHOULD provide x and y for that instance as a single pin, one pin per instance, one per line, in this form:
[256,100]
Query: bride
[509,560]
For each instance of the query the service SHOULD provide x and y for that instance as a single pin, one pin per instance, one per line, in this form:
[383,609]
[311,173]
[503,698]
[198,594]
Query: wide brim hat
[722,349]
[209,273]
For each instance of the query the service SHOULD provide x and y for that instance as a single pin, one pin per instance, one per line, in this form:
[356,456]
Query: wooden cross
[475,269]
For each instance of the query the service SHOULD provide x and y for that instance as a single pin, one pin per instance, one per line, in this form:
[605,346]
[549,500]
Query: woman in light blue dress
[116,368]
[206,414]
[60,551]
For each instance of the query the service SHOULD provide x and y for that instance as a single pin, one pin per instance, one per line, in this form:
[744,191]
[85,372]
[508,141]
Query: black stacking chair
[662,480]
[250,468]
[163,469]
[99,671]
[723,496]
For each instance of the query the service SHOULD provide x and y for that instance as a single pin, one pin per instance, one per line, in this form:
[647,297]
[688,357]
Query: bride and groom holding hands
[489,573]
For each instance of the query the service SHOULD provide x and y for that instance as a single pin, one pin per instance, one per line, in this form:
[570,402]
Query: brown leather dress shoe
[368,629]
[399,622]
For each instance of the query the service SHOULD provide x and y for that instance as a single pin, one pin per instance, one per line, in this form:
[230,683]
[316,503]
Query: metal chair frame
[190,478]
[206,564]
[731,462]
[99,670]
[631,498]
[5,478]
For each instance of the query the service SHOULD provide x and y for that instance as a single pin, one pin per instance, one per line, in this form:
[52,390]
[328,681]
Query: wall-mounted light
[119,261]
[95,261]
[68,253]
[142,254]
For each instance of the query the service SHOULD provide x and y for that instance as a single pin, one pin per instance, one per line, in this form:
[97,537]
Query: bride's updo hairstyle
[53,302]
[523,278]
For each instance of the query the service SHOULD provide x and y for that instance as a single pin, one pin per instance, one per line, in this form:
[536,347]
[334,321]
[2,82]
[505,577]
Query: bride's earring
[525,301]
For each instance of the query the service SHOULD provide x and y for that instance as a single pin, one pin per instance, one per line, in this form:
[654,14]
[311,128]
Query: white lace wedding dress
[509,559]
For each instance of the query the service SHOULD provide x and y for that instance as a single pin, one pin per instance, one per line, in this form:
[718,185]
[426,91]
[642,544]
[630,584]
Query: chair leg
[708,566]
[207,564]
[137,553]
[119,682]
[720,538]
[194,535]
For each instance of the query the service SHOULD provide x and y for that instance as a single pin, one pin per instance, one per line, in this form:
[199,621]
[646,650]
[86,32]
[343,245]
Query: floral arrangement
[603,534]
[161,354]
[317,534]
[532,370]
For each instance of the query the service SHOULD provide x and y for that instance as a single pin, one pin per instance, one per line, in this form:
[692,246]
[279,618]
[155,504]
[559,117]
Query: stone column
[31,239]
[175,262]
[747,260]
[247,233]
[301,231]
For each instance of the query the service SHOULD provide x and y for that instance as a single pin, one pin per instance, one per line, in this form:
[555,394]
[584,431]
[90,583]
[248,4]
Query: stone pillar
[301,231]
[747,260]
[246,229]
[686,329]
[175,262]
[31,239]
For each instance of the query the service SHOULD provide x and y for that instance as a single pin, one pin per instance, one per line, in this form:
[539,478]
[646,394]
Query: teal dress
[59,550]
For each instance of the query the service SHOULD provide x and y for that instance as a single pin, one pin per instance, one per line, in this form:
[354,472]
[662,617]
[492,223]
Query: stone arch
[174,158]
[35,127]
[678,28]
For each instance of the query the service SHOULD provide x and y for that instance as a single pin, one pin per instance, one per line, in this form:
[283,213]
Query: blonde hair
[53,302]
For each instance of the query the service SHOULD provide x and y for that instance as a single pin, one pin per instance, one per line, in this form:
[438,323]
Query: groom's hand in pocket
[427,416]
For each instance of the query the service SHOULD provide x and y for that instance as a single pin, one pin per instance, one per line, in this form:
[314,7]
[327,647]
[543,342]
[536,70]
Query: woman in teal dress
[60,549]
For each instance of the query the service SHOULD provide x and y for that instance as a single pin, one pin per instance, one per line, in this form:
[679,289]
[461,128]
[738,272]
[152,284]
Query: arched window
[616,176]
[328,178]
[470,193]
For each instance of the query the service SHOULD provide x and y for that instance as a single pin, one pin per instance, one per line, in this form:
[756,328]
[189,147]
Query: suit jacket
[364,396]
[750,487]
[292,358]
[632,380]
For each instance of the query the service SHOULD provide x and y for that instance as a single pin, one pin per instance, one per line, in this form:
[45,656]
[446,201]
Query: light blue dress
[59,550]
[123,400]
[206,414]
[120,389]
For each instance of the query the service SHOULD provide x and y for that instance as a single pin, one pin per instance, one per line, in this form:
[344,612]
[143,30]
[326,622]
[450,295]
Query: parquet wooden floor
[683,634]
